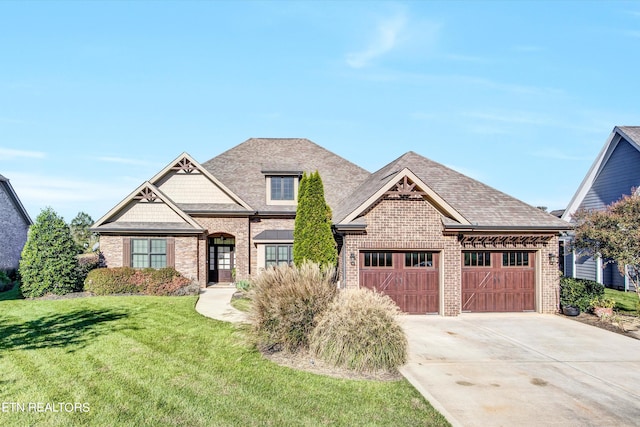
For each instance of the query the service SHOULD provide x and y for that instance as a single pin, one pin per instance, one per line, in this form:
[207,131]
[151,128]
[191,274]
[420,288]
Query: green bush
[86,263]
[359,331]
[5,281]
[286,303]
[579,292]
[243,285]
[48,263]
[106,281]
[126,280]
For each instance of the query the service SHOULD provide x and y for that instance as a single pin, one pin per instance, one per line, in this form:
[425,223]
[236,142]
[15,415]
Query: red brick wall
[239,229]
[258,226]
[415,224]
[186,253]
[408,224]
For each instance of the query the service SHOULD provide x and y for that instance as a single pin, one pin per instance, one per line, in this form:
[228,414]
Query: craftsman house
[14,225]
[614,173]
[431,238]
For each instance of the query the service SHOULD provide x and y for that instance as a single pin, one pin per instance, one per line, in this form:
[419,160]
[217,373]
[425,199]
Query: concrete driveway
[524,370]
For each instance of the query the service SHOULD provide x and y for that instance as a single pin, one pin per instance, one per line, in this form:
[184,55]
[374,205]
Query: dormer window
[282,186]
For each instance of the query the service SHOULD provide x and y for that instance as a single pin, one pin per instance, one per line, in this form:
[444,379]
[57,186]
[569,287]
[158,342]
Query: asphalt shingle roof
[480,204]
[242,169]
[633,132]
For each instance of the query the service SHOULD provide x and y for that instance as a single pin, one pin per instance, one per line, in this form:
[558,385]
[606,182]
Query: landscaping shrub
[48,262]
[5,281]
[105,281]
[579,292]
[287,302]
[86,263]
[359,330]
[243,285]
[125,280]
[165,281]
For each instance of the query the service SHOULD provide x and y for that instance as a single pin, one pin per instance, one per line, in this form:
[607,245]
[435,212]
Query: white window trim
[261,251]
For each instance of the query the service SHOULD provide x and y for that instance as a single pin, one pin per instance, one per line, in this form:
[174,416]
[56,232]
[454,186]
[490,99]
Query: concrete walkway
[216,303]
[523,369]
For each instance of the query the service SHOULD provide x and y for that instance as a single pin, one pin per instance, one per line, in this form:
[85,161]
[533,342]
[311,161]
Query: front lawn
[154,361]
[626,302]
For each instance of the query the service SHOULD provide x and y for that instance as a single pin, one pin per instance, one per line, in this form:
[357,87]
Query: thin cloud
[385,39]
[10,153]
[515,117]
[554,153]
[66,195]
[122,160]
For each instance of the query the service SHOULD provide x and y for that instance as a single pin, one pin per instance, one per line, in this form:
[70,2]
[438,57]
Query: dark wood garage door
[410,279]
[498,281]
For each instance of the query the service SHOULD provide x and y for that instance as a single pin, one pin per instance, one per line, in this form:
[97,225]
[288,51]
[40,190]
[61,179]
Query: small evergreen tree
[49,263]
[312,236]
[82,236]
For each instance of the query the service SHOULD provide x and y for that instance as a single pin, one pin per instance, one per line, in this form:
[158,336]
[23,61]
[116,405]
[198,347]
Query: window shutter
[171,252]
[126,251]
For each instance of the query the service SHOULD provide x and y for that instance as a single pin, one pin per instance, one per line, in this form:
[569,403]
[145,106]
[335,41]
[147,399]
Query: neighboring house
[615,172]
[431,238]
[14,225]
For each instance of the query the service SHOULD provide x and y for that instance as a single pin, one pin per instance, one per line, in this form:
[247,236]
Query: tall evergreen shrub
[312,236]
[49,263]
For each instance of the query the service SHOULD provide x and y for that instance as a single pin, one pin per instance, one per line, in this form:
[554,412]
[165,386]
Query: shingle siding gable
[620,173]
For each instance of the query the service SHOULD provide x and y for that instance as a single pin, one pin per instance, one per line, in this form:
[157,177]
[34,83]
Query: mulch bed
[305,362]
[623,324]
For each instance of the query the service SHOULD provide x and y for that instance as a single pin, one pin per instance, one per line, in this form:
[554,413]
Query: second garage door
[498,281]
[410,279]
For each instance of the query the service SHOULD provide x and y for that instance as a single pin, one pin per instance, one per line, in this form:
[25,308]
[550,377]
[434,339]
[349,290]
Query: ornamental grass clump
[360,331]
[287,302]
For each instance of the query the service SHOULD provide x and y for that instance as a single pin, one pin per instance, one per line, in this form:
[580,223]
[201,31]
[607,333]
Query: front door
[221,259]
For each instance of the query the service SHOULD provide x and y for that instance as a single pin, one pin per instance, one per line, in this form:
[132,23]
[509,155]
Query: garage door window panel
[515,259]
[378,259]
[477,259]
[418,259]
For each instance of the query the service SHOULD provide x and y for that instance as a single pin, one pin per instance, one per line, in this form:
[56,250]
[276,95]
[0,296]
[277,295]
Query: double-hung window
[147,253]
[283,188]
[278,255]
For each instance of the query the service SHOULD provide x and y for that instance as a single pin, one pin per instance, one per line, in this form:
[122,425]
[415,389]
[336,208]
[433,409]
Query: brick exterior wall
[13,232]
[416,224]
[257,227]
[186,253]
[111,249]
[236,227]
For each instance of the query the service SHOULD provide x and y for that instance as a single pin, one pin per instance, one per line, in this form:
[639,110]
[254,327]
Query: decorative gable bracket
[147,195]
[405,188]
[503,241]
[185,166]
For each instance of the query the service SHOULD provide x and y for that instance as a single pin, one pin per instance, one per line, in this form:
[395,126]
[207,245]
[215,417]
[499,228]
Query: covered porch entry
[221,258]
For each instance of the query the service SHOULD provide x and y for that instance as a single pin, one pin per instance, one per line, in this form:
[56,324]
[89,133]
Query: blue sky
[97,97]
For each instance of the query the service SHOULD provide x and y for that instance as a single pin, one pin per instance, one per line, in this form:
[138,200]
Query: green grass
[153,361]
[11,294]
[242,304]
[626,302]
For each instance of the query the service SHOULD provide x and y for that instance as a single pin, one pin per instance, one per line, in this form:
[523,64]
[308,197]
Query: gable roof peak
[631,134]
